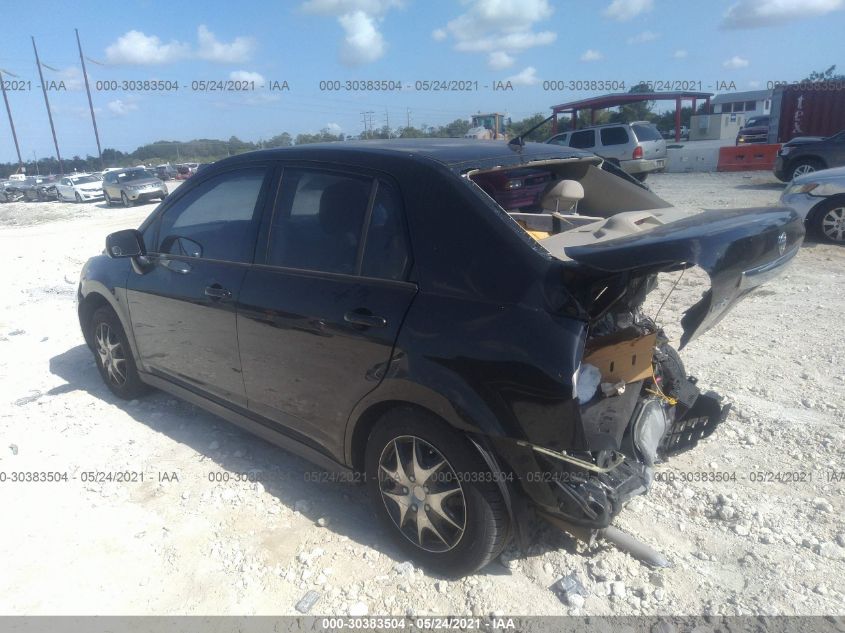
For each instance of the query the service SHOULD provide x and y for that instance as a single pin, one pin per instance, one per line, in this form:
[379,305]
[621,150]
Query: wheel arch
[811,158]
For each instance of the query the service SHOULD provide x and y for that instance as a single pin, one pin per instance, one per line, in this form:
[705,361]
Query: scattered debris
[307,601]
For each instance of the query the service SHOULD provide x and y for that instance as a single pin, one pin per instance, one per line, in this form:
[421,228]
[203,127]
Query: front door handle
[361,317]
[216,291]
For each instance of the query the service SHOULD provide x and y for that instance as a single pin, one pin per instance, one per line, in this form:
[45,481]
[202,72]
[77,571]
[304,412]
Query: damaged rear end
[637,405]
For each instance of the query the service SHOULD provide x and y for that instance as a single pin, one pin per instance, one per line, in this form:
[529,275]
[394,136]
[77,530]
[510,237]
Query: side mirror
[126,243]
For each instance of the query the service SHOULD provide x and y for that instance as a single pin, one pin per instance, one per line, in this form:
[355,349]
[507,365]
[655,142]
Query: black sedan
[369,306]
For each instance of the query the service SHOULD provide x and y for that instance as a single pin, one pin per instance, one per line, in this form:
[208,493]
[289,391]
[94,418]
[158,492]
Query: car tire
[804,166]
[106,198]
[468,527]
[827,221]
[125,199]
[78,197]
[113,355]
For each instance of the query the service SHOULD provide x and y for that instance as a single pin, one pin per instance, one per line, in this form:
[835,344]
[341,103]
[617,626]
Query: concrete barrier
[690,158]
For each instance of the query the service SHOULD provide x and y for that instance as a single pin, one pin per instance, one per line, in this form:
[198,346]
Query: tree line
[209,150]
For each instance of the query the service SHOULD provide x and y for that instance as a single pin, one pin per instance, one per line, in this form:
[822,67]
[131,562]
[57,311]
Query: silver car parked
[819,196]
[130,186]
[638,148]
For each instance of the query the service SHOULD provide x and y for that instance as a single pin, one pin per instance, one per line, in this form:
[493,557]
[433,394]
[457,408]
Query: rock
[440,586]
[302,505]
[358,609]
[617,588]
[840,538]
[741,529]
[822,505]
[655,579]
[13,448]
[821,589]
[547,567]
[726,513]
[659,594]
[569,586]
[832,550]
[576,601]
[322,522]
[186,495]
[404,569]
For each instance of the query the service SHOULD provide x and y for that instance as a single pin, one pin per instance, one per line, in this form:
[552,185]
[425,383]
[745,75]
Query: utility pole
[47,103]
[387,122]
[90,103]
[11,122]
[367,120]
[409,118]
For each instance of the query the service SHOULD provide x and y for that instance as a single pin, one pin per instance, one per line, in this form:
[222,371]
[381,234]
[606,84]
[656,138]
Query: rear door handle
[357,317]
[216,291]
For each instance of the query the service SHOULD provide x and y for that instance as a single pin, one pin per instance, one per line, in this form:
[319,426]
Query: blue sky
[748,42]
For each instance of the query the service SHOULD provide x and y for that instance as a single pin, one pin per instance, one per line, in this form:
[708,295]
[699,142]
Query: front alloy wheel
[112,354]
[125,199]
[422,494]
[828,223]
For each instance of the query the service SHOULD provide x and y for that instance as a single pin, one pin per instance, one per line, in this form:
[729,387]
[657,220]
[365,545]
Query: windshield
[757,120]
[80,180]
[646,132]
[134,174]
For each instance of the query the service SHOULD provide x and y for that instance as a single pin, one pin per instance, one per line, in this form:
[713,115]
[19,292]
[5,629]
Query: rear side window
[217,219]
[583,139]
[646,132]
[318,221]
[614,136]
[386,253]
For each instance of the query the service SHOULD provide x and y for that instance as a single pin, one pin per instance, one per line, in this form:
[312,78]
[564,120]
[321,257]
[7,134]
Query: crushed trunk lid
[738,248]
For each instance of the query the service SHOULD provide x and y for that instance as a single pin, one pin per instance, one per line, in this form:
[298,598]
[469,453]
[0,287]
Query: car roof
[454,153]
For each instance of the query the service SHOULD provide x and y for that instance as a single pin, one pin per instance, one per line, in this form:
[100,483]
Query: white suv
[638,148]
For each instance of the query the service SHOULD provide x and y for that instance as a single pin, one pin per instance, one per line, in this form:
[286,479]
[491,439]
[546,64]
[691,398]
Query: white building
[729,113]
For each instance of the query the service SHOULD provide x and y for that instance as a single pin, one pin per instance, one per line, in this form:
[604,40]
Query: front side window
[583,139]
[318,221]
[216,220]
[560,139]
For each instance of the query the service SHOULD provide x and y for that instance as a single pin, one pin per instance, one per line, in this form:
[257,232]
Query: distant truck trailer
[814,108]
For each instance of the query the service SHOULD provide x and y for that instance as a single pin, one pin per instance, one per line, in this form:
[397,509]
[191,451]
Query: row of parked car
[126,185]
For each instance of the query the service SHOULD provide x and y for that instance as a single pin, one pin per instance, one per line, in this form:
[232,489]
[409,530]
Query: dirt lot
[178,543]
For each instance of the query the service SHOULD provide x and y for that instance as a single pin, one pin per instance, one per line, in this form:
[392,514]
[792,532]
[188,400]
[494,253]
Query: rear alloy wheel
[804,167]
[114,356]
[106,198]
[125,199]
[828,222]
[78,197]
[433,492]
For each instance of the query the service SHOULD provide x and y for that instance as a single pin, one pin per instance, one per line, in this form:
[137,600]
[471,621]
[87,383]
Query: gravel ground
[257,540]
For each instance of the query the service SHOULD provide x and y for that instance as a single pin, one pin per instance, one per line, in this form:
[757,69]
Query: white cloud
[499,27]
[499,60]
[591,55]
[120,107]
[334,128]
[642,38]
[211,49]
[735,62]
[341,7]
[680,54]
[135,47]
[363,42]
[526,77]
[749,14]
[246,75]
[623,10]
[439,35]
